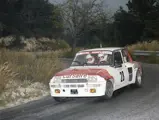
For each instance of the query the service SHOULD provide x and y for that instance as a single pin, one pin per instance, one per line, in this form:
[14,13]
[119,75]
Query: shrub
[6,41]
[69,53]
[146,45]
[33,44]
[62,44]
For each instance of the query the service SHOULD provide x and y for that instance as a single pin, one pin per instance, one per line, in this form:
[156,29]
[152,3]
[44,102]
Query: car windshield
[93,58]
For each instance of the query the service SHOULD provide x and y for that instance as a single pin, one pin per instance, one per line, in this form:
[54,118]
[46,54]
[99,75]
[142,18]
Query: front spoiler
[82,92]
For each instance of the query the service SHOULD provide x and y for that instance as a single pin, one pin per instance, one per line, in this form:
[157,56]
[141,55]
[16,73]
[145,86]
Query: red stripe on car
[100,72]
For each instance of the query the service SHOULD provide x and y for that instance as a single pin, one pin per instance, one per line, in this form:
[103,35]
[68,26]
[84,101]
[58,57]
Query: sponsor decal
[83,73]
[75,76]
[82,53]
[101,52]
[95,52]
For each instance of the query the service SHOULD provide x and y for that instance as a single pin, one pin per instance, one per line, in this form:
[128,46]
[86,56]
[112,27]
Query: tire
[139,79]
[60,99]
[109,91]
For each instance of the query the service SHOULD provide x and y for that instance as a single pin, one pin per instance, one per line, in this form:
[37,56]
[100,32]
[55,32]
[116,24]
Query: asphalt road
[129,104]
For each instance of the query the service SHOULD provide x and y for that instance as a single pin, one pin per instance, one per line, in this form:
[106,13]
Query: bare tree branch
[78,14]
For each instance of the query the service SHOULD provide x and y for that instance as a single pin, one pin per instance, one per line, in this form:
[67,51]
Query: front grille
[74,80]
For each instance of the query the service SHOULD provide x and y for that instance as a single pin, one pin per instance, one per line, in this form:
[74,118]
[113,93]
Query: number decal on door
[122,76]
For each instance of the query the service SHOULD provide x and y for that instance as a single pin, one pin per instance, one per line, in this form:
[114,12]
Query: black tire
[109,91]
[139,80]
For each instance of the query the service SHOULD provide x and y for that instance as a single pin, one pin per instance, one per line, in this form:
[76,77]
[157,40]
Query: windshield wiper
[77,62]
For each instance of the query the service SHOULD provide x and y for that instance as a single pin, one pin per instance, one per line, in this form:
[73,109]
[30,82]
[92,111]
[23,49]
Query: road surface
[129,104]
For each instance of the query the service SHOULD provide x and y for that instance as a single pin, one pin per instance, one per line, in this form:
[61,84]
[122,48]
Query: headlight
[56,79]
[92,79]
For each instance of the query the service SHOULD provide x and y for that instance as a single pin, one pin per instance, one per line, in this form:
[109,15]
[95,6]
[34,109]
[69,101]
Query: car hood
[83,72]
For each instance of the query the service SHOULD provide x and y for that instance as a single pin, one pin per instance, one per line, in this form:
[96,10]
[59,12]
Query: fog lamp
[92,90]
[57,91]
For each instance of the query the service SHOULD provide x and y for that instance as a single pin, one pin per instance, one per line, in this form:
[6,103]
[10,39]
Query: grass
[6,75]
[146,46]
[25,75]
[31,67]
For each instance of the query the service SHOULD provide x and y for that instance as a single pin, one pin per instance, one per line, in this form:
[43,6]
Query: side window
[118,58]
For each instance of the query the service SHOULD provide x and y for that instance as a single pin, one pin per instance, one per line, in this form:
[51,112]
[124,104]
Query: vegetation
[20,70]
[30,66]
[29,18]
[146,46]
[33,44]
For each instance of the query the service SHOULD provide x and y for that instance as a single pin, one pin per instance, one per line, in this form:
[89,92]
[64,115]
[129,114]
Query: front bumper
[82,89]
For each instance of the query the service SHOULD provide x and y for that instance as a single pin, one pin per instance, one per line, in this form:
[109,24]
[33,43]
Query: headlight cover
[56,79]
[92,79]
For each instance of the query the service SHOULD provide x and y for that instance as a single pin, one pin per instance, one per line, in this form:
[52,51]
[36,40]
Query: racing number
[122,76]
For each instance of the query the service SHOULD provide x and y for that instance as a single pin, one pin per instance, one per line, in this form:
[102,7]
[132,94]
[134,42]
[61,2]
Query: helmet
[90,59]
[102,57]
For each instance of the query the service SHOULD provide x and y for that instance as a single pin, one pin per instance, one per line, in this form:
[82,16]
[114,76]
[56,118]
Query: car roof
[106,48]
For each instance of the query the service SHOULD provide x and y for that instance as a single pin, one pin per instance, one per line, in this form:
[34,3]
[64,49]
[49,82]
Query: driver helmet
[90,59]
[102,57]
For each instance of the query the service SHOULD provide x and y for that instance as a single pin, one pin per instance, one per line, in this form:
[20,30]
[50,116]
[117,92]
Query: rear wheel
[109,90]
[139,78]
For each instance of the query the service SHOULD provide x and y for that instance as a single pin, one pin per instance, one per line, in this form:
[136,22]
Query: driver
[102,58]
[90,59]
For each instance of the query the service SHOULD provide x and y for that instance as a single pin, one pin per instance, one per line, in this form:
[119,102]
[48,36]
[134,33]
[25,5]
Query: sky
[112,4]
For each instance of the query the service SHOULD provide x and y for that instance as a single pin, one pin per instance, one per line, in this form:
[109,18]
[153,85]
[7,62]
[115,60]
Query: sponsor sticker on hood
[75,76]
[84,73]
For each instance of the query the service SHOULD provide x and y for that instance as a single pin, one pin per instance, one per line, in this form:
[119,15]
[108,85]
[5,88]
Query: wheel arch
[112,81]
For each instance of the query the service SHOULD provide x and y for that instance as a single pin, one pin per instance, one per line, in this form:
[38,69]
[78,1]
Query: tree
[127,26]
[78,15]
[147,10]
[9,16]
[39,18]
[29,18]
[142,7]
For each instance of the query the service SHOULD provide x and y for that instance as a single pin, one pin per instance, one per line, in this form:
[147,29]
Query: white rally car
[96,73]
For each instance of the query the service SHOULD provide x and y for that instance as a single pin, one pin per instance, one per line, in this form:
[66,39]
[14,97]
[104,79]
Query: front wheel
[109,90]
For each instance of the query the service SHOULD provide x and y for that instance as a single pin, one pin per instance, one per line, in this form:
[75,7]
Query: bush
[6,41]
[69,54]
[146,45]
[33,44]
[62,44]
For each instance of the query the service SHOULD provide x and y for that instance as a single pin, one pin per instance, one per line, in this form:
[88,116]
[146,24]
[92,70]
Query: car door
[122,79]
[129,65]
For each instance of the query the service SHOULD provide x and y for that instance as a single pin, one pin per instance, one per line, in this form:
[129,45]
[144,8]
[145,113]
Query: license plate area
[74,91]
